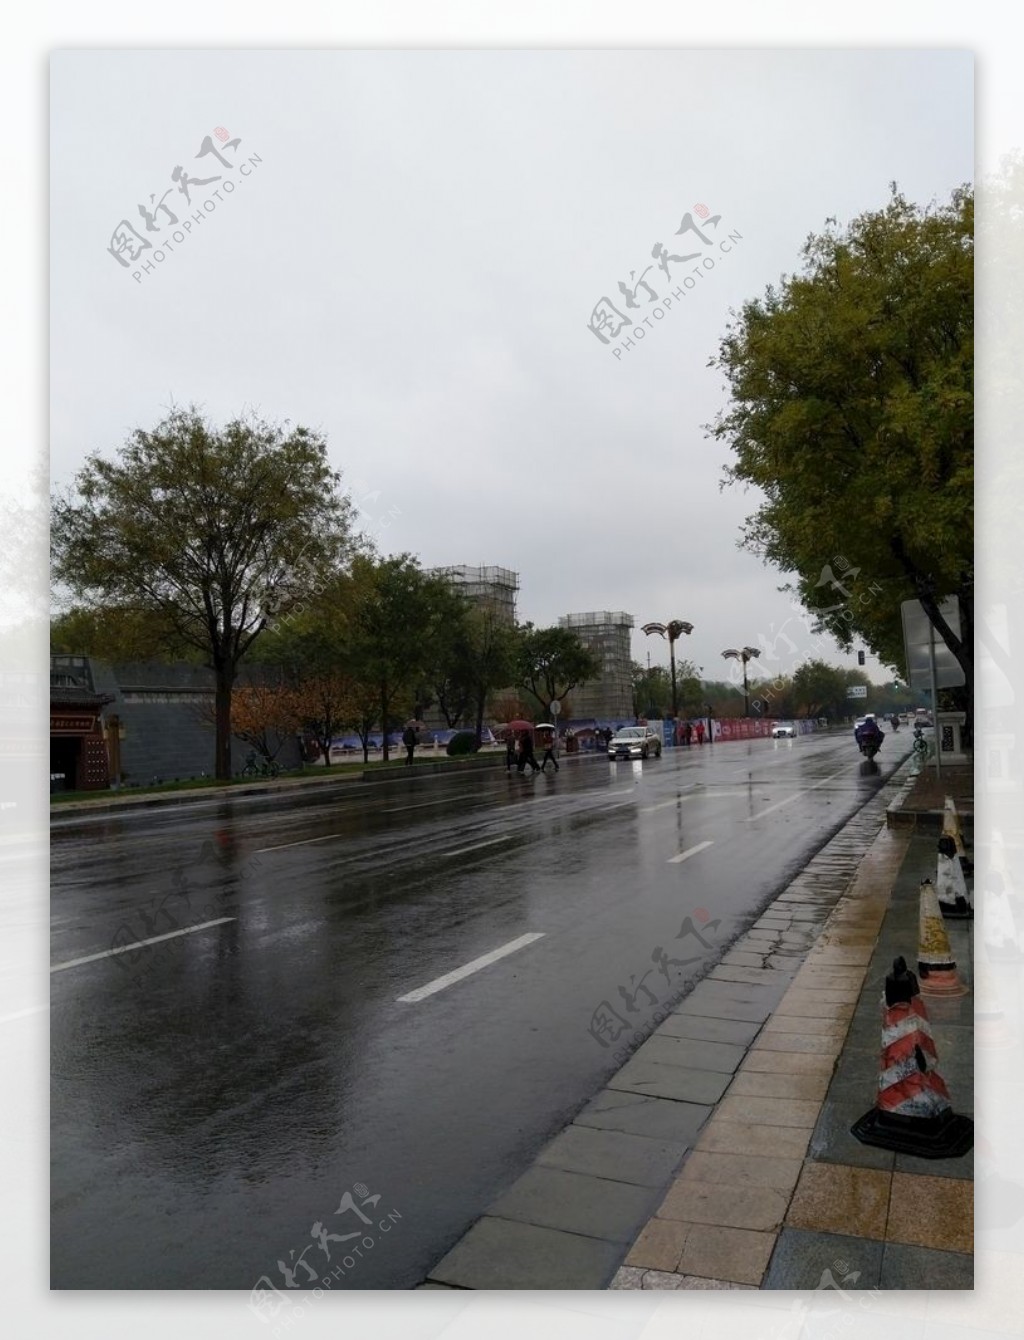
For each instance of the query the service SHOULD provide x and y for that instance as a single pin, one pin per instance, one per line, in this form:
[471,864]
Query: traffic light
[860,658]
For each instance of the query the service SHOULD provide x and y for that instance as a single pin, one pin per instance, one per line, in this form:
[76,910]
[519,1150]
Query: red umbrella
[520,725]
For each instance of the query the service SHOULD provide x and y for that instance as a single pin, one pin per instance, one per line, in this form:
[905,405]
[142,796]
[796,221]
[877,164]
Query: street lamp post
[742,654]
[671,631]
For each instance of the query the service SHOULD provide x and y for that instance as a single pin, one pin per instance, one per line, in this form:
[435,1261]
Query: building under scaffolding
[606,634]
[494,586]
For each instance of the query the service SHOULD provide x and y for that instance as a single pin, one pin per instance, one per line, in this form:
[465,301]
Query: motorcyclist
[869,732]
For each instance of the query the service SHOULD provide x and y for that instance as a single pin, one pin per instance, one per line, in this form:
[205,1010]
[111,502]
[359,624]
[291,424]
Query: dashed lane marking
[690,851]
[789,799]
[491,842]
[125,949]
[457,974]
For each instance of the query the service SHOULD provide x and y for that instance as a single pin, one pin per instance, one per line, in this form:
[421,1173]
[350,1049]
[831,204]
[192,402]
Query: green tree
[397,627]
[852,410]
[775,697]
[451,680]
[311,648]
[726,699]
[489,656]
[820,690]
[652,690]
[119,633]
[549,662]
[203,528]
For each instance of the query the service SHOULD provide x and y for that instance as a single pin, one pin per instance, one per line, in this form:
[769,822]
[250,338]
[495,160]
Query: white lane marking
[690,851]
[664,804]
[439,983]
[777,806]
[304,842]
[701,795]
[22,1014]
[653,809]
[155,939]
[420,805]
[332,837]
[491,842]
[789,800]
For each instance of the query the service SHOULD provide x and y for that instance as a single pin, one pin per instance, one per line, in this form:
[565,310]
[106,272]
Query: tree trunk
[384,724]
[225,677]
[481,700]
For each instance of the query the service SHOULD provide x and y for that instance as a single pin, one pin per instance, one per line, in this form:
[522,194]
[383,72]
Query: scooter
[870,747]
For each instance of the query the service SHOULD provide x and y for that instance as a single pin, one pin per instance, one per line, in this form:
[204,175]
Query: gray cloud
[412,266]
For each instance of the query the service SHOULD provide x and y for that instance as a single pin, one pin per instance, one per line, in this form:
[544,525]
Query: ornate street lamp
[743,654]
[671,631]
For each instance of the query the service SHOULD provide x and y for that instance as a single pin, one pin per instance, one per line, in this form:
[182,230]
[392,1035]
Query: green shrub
[462,742]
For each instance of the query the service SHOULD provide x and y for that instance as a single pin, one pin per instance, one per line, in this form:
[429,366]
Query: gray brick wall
[163,733]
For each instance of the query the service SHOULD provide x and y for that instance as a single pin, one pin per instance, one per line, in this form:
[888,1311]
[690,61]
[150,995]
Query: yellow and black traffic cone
[913,1113]
[935,961]
[952,827]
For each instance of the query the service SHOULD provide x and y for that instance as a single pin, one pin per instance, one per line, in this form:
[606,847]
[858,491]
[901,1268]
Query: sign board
[555,707]
[857,691]
[920,636]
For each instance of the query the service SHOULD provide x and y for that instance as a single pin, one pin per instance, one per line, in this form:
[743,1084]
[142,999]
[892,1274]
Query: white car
[634,742]
[784,730]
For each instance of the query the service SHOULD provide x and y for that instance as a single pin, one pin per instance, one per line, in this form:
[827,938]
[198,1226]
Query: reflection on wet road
[261,1006]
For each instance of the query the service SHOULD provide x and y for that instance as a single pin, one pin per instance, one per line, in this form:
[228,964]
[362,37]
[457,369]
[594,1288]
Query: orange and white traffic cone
[950,885]
[935,961]
[913,1113]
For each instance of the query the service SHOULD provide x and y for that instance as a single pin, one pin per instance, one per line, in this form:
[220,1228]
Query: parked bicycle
[255,768]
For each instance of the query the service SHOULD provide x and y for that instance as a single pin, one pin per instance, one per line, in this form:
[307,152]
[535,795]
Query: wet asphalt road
[216,1094]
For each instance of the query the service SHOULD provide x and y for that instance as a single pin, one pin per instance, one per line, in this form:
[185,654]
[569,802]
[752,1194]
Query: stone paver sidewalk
[778,1191]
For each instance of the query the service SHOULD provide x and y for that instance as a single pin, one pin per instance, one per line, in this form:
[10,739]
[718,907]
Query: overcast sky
[412,265]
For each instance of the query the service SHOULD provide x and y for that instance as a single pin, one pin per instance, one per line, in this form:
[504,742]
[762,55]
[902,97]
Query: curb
[927,821]
[272,787]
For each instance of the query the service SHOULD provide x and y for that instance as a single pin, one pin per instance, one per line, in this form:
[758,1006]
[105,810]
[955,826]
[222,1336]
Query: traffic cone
[999,930]
[992,1031]
[935,961]
[950,885]
[913,1113]
[951,827]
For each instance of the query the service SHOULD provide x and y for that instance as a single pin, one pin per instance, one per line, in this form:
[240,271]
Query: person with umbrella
[510,750]
[526,754]
[550,747]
